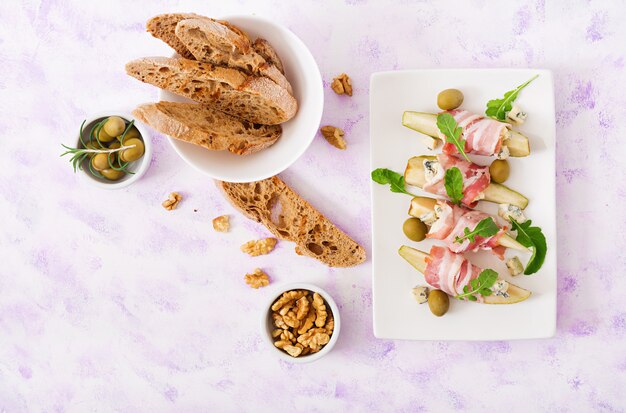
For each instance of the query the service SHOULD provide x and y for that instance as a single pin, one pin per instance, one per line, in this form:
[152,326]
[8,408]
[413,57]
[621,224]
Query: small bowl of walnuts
[302,323]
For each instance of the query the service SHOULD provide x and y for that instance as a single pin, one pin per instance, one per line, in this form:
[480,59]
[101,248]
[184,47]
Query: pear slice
[426,123]
[418,259]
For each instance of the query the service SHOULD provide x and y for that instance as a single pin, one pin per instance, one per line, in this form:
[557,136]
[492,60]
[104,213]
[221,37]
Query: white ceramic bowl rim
[298,133]
[267,327]
[143,164]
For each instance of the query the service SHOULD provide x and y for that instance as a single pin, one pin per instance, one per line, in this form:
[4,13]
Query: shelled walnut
[259,247]
[172,201]
[342,84]
[334,136]
[304,322]
[257,279]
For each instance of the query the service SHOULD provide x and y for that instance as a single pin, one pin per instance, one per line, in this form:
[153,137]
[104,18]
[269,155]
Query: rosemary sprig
[78,155]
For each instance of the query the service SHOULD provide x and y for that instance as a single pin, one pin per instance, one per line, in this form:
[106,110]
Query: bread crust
[252,98]
[289,217]
[207,127]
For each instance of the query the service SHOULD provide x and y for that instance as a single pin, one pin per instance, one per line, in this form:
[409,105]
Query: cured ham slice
[483,136]
[451,223]
[448,271]
[475,178]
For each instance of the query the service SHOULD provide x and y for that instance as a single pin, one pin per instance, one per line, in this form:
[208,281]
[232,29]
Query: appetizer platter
[463,204]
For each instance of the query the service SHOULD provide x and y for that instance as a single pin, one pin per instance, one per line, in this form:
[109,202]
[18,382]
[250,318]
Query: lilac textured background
[110,303]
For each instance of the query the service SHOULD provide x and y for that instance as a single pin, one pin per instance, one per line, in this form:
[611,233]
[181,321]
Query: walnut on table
[259,247]
[304,323]
[221,223]
[342,84]
[257,279]
[334,136]
[172,201]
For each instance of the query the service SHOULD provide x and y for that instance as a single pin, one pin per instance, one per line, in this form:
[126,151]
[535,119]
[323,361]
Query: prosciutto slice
[451,223]
[475,179]
[483,136]
[448,271]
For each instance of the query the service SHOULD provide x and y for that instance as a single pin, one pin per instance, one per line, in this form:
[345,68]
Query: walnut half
[259,247]
[342,84]
[221,223]
[334,136]
[257,279]
[172,201]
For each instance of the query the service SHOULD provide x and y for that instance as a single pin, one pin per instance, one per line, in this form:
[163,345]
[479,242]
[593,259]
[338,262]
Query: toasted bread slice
[289,217]
[207,127]
[265,49]
[252,98]
[163,27]
[213,42]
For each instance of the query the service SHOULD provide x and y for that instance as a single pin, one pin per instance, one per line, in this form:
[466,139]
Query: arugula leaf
[498,108]
[386,176]
[531,237]
[454,184]
[448,126]
[485,228]
[480,285]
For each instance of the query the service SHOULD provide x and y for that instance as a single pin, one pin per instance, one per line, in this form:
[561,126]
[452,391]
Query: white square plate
[396,314]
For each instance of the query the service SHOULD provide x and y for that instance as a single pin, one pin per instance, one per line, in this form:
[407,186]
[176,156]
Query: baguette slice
[255,99]
[289,217]
[212,42]
[265,49]
[207,127]
[163,27]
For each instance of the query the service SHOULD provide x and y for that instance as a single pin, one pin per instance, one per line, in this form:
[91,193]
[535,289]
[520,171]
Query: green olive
[449,99]
[104,137]
[114,126]
[100,161]
[438,302]
[499,171]
[132,154]
[132,133]
[414,229]
[112,174]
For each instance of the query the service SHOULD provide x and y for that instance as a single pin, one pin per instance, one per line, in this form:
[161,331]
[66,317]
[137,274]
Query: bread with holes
[205,126]
[253,98]
[289,217]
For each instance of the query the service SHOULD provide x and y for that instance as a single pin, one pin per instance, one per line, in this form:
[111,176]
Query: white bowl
[298,133]
[267,325]
[139,167]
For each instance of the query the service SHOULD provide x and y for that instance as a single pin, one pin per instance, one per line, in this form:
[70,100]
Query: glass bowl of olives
[112,151]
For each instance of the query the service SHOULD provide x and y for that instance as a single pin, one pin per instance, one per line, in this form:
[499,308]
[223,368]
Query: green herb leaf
[385,176]
[498,108]
[453,181]
[480,285]
[485,228]
[448,126]
[531,237]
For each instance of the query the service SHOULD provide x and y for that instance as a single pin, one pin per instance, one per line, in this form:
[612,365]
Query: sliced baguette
[252,98]
[265,49]
[289,217]
[207,127]
[163,27]
[213,42]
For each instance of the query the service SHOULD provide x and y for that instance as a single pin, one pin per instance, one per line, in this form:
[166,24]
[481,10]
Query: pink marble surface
[110,303]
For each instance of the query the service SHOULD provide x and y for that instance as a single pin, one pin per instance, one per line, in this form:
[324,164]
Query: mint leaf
[453,181]
[531,237]
[485,228]
[385,176]
[480,285]
[498,108]
[448,126]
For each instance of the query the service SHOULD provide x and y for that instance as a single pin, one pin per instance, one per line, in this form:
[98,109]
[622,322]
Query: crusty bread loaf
[289,217]
[265,49]
[207,127]
[252,98]
[213,42]
[163,27]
